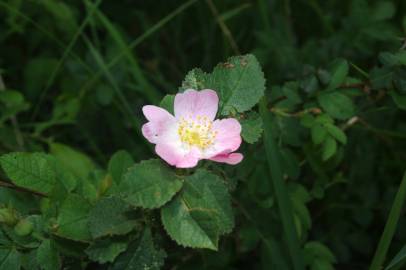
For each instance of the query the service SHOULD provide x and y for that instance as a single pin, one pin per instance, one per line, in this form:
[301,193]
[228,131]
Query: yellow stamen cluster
[196,131]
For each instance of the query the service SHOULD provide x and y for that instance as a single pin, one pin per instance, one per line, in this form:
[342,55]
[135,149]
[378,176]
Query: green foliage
[111,216]
[200,213]
[149,184]
[323,151]
[35,171]
[141,254]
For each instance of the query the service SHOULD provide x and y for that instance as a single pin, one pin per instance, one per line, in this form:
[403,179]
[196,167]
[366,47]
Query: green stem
[281,193]
[390,227]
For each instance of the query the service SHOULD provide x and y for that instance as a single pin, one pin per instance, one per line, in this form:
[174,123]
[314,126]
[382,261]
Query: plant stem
[281,193]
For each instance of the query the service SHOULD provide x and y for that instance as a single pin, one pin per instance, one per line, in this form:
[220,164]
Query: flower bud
[7,216]
[24,227]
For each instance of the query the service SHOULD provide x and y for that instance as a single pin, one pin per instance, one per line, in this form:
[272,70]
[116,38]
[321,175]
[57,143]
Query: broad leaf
[73,218]
[200,213]
[251,127]
[337,105]
[141,254]
[339,74]
[106,250]
[111,216]
[34,171]
[76,162]
[118,165]
[47,256]
[149,184]
[9,259]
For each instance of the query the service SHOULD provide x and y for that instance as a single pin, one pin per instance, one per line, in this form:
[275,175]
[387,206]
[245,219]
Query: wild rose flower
[193,133]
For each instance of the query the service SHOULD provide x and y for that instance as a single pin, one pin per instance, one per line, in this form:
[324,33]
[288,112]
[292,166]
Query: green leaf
[195,79]
[318,133]
[200,213]
[398,260]
[338,75]
[149,184]
[30,170]
[119,164]
[76,162]
[239,82]
[141,254]
[73,218]
[316,250]
[321,265]
[47,256]
[337,133]
[106,250]
[400,100]
[329,148]
[390,227]
[167,103]
[111,216]
[337,105]
[251,127]
[383,10]
[9,259]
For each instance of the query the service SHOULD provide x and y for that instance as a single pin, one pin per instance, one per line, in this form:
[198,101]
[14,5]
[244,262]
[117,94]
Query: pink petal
[173,155]
[154,113]
[161,124]
[196,103]
[228,137]
[233,158]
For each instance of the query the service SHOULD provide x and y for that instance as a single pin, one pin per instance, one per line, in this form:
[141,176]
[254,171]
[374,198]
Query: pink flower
[192,134]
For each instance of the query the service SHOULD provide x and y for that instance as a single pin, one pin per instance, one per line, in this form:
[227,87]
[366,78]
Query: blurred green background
[85,68]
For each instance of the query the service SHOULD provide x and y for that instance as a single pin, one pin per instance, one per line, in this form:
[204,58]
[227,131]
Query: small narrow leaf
[329,148]
[337,133]
[318,133]
[337,105]
[339,74]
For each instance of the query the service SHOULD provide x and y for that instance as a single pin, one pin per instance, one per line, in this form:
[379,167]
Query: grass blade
[390,227]
[281,194]
[63,58]
[151,93]
[135,43]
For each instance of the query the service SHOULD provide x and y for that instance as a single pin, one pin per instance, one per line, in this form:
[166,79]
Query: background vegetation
[75,75]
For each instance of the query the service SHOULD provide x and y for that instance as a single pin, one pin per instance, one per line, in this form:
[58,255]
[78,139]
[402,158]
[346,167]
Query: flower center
[196,131]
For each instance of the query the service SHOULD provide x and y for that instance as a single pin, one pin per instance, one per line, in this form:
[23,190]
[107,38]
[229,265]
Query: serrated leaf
[106,250]
[329,148]
[337,105]
[339,74]
[337,133]
[30,170]
[318,133]
[251,127]
[167,103]
[200,213]
[195,79]
[240,83]
[111,216]
[9,259]
[76,162]
[141,255]
[73,218]
[119,164]
[149,184]
[47,256]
